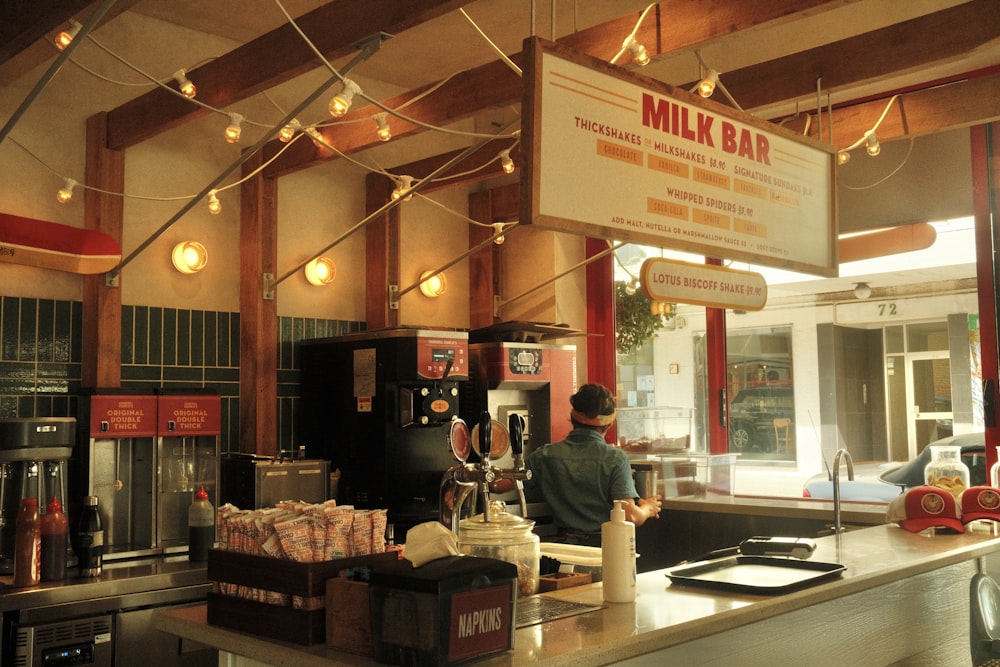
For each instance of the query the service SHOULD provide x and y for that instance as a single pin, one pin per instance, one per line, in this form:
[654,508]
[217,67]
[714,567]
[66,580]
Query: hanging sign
[612,154]
[674,281]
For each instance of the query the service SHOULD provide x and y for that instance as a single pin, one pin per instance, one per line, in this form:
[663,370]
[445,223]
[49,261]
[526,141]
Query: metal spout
[841,454]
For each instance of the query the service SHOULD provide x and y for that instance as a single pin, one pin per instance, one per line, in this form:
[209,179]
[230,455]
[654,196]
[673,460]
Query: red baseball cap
[925,507]
[980,502]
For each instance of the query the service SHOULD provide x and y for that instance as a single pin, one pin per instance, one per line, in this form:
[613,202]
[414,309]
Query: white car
[881,482]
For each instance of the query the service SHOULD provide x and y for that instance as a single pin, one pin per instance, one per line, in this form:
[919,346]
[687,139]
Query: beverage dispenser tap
[488,476]
[515,427]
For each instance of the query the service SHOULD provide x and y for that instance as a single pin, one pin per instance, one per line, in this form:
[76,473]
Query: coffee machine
[378,406]
[34,454]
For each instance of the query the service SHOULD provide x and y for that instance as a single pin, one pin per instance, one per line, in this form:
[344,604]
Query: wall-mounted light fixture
[433,284]
[862,290]
[189,257]
[321,271]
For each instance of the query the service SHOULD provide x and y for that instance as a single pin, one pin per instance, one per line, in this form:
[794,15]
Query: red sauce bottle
[55,541]
[27,545]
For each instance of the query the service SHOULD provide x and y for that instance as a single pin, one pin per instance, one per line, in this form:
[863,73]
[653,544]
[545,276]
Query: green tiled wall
[40,358]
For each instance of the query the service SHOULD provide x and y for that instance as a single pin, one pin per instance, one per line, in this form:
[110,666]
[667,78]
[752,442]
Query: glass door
[929,394]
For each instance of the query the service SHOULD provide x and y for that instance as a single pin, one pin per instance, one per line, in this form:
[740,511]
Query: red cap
[925,507]
[201,494]
[54,505]
[980,502]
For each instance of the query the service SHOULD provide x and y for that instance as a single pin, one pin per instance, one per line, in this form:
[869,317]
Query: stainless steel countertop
[118,579]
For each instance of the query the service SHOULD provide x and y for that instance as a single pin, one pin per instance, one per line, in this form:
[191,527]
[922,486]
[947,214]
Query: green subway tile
[76,326]
[17,370]
[197,338]
[222,375]
[183,346]
[128,335]
[234,340]
[155,335]
[26,406]
[141,373]
[141,336]
[211,339]
[28,330]
[9,328]
[182,374]
[8,407]
[63,327]
[222,340]
[169,337]
[45,338]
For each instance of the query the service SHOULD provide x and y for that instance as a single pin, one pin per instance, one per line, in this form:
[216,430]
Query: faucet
[841,453]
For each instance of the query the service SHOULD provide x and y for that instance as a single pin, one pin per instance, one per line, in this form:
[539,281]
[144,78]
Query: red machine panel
[189,415]
[122,416]
[434,353]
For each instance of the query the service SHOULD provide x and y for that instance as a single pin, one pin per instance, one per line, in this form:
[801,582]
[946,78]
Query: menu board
[615,155]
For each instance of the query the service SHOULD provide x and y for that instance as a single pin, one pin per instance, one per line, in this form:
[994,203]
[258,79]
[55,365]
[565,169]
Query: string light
[632,287]
[639,55]
[843,157]
[341,102]
[402,189]
[498,233]
[65,38]
[214,205]
[66,191]
[872,146]
[384,131]
[287,133]
[184,84]
[707,85]
[316,136]
[235,128]
[506,162]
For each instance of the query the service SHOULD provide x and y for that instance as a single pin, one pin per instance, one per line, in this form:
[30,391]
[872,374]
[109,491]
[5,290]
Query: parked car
[881,482]
[752,414]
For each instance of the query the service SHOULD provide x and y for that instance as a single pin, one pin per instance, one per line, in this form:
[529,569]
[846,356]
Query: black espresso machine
[378,406]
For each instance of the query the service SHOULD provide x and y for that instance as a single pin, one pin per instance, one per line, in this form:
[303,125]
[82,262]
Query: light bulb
[321,271]
[630,288]
[384,131]
[214,205]
[189,257]
[235,128]
[862,290]
[66,191]
[184,84]
[341,102]
[65,38]
[402,189]
[707,85]
[288,132]
[872,146]
[433,284]
[639,55]
[843,157]
[497,232]
[506,162]
[316,136]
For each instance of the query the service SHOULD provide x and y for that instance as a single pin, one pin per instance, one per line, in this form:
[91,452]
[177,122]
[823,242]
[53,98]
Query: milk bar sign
[616,155]
[702,285]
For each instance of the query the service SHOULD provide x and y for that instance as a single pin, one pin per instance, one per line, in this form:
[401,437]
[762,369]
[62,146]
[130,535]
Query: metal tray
[761,575]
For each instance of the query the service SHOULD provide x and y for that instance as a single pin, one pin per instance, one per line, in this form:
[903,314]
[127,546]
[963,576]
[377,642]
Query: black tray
[761,575]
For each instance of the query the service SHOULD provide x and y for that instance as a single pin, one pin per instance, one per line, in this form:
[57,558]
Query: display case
[698,474]
[654,429]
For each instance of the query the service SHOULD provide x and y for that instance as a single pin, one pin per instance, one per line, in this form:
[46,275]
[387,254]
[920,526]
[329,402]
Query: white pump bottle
[618,556]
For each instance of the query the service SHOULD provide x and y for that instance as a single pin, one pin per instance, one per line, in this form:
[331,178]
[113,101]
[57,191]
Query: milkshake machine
[378,406]
[34,453]
[144,457]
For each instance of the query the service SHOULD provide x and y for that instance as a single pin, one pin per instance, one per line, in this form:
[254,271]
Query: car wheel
[740,437]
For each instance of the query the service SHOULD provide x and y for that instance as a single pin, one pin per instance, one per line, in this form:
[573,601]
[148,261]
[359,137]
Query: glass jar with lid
[946,469]
[505,537]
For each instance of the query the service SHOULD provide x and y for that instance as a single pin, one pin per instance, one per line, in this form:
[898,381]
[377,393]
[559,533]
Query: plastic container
[576,558]
[90,550]
[946,469]
[505,537]
[698,474]
[201,526]
[55,541]
[28,545]
[618,556]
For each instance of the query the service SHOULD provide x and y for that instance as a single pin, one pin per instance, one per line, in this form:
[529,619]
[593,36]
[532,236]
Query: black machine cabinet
[378,405]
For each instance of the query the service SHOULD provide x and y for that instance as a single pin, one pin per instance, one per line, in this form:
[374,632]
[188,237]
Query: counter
[903,597]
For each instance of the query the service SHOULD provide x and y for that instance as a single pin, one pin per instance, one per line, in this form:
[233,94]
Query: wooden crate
[299,626]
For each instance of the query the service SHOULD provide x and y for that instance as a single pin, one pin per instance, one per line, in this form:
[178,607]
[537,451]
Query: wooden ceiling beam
[689,23]
[271,59]
[919,42]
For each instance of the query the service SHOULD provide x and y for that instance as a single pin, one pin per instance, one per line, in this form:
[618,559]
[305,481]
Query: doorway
[918,379]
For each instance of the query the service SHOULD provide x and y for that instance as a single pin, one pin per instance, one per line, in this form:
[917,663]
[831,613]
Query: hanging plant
[635,322]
